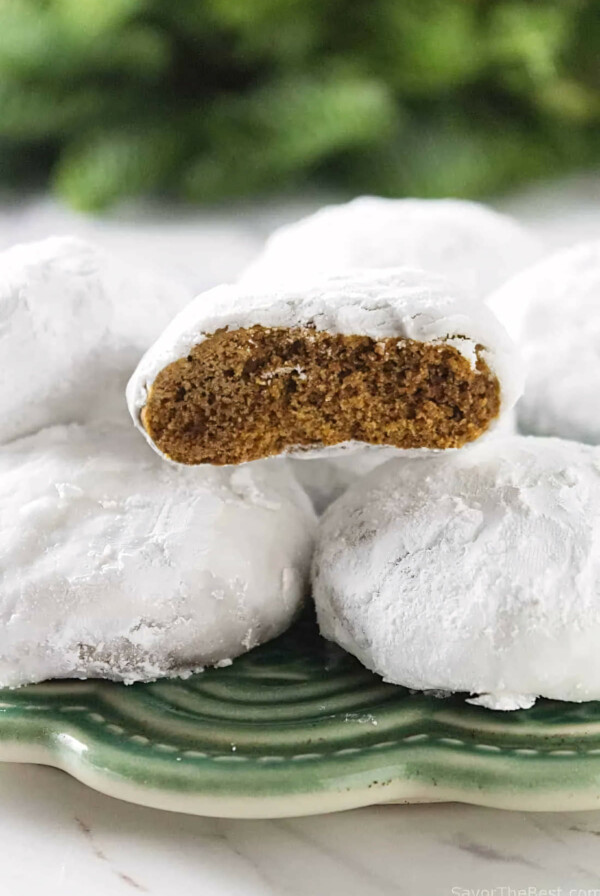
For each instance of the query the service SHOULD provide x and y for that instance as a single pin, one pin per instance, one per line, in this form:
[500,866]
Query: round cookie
[117,565]
[73,324]
[471,245]
[474,571]
[395,357]
[556,309]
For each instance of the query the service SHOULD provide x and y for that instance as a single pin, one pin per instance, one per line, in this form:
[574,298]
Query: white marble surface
[60,839]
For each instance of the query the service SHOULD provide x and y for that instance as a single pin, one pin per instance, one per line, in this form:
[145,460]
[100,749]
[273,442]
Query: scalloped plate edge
[393,792]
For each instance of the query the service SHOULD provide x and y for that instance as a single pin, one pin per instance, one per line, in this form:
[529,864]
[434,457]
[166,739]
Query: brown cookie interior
[245,394]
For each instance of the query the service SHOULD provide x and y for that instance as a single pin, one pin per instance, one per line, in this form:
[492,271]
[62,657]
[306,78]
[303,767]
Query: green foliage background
[209,99]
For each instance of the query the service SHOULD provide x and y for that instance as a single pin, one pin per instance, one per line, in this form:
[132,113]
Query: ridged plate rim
[297,727]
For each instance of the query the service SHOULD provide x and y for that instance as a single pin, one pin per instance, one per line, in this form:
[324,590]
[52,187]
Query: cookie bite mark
[248,393]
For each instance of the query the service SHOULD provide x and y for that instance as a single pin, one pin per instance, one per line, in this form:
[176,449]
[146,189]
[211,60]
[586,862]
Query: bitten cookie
[392,358]
[473,571]
[73,324]
[117,565]
[556,309]
[471,245]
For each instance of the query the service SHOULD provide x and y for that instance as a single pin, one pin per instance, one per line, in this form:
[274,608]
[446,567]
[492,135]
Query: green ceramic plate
[299,727]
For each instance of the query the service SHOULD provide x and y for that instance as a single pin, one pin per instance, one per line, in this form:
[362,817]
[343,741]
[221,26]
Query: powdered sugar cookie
[472,571]
[473,246]
[556,309]
[73,324]
[395,358]
[117,565]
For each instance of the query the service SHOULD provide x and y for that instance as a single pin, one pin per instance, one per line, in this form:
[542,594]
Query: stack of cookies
[360,371]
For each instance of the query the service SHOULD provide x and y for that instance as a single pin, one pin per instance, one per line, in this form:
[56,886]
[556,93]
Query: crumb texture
[255,392]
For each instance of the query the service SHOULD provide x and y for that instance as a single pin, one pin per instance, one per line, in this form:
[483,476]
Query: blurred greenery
[209,99]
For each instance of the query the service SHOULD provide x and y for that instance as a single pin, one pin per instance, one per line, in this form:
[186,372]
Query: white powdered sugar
[401,303]
[325,479]
[117,565]
[474,571]
[73,324]
[556,309]
[471,245]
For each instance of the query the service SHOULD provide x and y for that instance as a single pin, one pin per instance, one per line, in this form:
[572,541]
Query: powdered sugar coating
[325,479]
[117,565]
[473,571]
[471,245]
[556,308]
[73,324]
[399,302]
